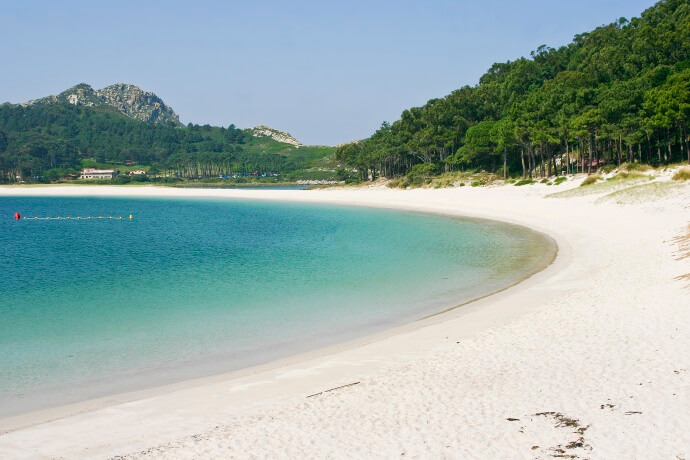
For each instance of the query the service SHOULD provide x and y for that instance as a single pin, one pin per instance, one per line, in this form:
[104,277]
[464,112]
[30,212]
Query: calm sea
[189,288]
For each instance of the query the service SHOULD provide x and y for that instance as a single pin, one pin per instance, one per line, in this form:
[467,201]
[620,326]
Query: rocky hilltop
[128,99]
[140,105]
[280,136]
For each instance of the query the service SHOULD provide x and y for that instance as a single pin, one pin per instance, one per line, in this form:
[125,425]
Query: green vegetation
[620,93]
[605,169]
[682,174]
[524,182]
[625,175]
[451,179]
[635,167]
[425,175]
[590,180]
[45,142]
[559,180]
[598,186]
[641,193]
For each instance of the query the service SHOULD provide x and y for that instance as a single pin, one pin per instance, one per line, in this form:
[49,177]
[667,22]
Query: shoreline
[263,388]
[62,411]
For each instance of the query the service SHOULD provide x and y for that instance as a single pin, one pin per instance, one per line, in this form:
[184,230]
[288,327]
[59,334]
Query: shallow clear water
[195,287]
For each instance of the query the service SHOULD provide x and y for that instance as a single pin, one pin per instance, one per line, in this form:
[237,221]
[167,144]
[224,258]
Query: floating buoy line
[79,218]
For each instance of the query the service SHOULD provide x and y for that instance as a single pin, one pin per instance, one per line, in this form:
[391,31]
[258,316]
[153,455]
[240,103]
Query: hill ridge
[124,97]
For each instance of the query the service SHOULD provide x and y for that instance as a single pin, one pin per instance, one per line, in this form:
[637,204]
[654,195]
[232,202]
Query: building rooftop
[102,171]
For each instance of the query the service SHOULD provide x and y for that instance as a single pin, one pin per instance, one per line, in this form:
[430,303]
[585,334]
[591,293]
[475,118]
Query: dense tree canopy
[618,93]
[48,141]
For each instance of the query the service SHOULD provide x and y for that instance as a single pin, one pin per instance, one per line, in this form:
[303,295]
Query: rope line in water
[79,218]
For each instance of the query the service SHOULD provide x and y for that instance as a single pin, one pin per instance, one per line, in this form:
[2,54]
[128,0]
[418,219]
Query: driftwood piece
[333,389]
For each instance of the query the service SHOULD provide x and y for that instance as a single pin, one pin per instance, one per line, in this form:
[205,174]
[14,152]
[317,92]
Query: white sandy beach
[588,358]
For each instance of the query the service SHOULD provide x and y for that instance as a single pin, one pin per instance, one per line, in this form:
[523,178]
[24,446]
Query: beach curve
[177,412]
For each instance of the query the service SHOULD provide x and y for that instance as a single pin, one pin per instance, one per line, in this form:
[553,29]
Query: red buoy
[17,216]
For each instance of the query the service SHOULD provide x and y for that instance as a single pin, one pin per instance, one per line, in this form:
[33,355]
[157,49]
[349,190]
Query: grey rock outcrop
[280,136]
[128,99]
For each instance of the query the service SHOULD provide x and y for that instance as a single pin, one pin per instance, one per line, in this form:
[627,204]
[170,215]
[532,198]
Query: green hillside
[620,93]
[47,141]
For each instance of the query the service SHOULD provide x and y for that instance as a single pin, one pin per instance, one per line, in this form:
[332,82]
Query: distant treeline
[48,141]
[620,93]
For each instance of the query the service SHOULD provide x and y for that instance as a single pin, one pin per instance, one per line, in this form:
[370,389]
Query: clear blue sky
[326,72]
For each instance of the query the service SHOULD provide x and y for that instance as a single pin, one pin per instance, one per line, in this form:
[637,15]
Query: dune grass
[525,182]
[597,185]
[635,167]
[642,193]
[682,174]
[591,180]
[445,180]
[624,175]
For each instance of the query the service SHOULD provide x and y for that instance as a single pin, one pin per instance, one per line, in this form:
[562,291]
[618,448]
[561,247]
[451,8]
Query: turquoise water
[190,288]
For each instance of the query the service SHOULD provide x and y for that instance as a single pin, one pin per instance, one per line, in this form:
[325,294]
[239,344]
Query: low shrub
[166,180]
[395,183]
[590,180]
[524,182]
[474,179]
[139,178]
[420,174]
[347,175]
[622,175]
[607,168]
[635,167]
[682,174]
[560,180]
[121,179]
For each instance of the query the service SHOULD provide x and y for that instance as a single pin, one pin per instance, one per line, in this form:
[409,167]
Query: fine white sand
[588,358]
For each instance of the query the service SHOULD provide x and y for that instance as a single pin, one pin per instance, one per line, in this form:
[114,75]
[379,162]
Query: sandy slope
[590,357]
